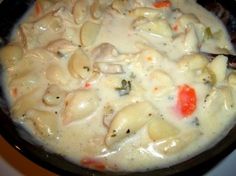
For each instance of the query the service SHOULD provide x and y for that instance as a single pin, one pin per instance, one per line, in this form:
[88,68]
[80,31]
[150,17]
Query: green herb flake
[125,88]
[208,33]
[86,68]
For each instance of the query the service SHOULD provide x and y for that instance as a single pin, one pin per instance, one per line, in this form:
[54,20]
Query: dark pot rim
[197,165]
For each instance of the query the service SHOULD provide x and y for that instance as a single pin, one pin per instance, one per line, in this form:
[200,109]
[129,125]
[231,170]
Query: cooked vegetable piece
[110,68]
[178,143]
[232,79]
[89,32]
[193,62]
[96,9]
[161,82]
[80,10]
[105,52]
[24,103]
[10,55]
[219,66]
[186,100]
[24,82]
[162,4]
[208,34]
[56,74]
[228,97]
[207,76]
[93,164]
[159,128]
[125,88]
[61,47]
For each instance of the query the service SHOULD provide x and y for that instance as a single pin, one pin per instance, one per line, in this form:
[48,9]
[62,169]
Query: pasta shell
[79,105]
[80,65]
[128,121]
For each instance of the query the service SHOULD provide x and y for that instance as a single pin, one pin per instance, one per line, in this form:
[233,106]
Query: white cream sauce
[115,106]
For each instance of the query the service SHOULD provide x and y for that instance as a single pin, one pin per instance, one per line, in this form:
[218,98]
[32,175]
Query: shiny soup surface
[121,85]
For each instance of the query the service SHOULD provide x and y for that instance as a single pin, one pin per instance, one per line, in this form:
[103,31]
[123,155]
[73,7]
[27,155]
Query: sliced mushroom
[159,129]
[80,10]
[80,104]
[105,52]
[80,65]
[109,68]
[89,32]
[61,47]
[10,55]
[128,121]
[44,122]
[53,96]
[96,9]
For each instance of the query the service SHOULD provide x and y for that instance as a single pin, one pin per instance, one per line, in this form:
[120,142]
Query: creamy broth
[121,85]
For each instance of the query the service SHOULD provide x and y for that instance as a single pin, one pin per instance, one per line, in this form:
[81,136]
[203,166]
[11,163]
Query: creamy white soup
[121,85]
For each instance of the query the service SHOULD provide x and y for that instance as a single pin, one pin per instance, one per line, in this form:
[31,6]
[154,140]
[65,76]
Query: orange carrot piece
[186,100]
[87,85]
[162,4]
[92,164]
[38,8]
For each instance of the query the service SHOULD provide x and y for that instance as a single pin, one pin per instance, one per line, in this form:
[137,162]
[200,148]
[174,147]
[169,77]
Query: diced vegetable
[232,79]
[208,34]
[10,55]
[125,88]
[159,128]
[38,8]
[162,4]
[89,32]
[186,100]
[207,77]
[178,143]
[193,61]
[219,66]
[93,164]
[80,11]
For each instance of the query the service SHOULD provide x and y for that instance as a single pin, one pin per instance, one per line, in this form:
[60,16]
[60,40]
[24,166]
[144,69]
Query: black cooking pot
[10,13]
